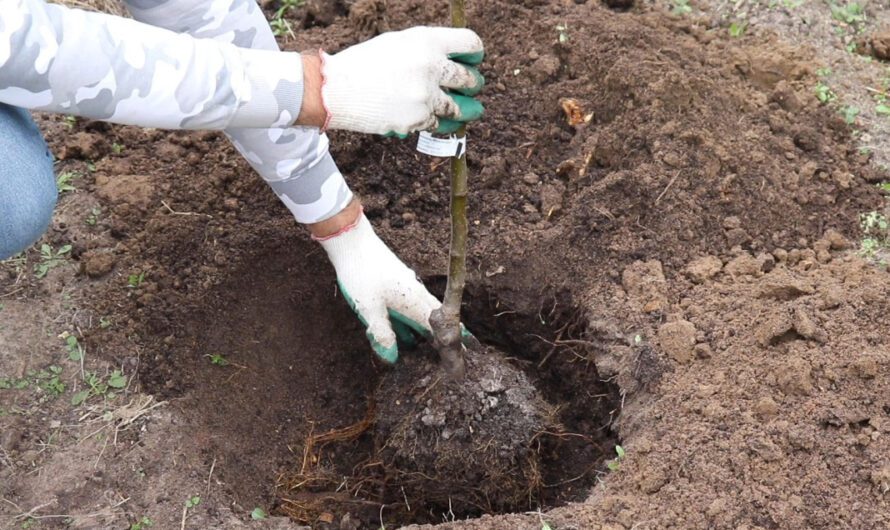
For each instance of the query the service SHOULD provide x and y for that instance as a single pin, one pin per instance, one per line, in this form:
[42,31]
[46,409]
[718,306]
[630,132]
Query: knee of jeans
[28,215]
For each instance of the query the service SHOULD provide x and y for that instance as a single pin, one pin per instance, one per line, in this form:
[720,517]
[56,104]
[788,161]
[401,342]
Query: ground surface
[679,275]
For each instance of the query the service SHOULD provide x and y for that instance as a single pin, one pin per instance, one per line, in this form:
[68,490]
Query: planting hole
[275,373]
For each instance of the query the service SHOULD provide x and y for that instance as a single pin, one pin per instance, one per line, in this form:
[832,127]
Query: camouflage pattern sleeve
[294,161]
[103,67]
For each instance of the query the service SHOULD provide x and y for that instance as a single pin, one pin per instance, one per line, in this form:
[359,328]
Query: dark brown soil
[674,276]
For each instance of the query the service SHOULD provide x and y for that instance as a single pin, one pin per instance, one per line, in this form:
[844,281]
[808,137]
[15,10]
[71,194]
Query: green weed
[851,14]
[142,524]
[217,359]
[63,181]
[93,218]
[47,380]
[875,234]
[849,113]
[737,29]
[824,93]
[72,346]
[258,514]
[681,7]
[135,280]
[50,259]
[615,464]
[97,386]
[279,24]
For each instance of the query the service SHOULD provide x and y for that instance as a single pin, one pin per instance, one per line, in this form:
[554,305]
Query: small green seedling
[192,502]
[615,465]
[883,186]
[258,514]
[850,113]
[217,359]
[824,93]
[50,259]
[135,280]
[93,218]
[737,29]
[117,148]
[63,181]
[882,109]
[69,121]
[279,24]
[99,387]
[142,524]
[681,7]
[875,234]
[75,350]
[117,380]
[104,322]
[851,14]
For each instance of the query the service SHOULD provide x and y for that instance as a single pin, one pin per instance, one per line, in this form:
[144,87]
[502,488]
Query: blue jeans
[27,183]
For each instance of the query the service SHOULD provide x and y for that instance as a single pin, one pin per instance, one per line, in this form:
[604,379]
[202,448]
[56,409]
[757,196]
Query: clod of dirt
[97,264]
[644,283]
[880,45]
[881,479]
[369,17]
[86,146]
[781,285]
[544,68]
[677,339]
[552,196]
[462,444]
[133,190]
[703,269]
[796,379]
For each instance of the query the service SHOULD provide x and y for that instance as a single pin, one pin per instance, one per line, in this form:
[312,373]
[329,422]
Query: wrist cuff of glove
[348,228]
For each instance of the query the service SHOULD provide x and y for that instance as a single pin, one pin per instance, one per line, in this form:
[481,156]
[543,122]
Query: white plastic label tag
[444,147]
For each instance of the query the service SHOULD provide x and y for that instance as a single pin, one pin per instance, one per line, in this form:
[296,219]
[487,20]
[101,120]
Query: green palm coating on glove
[405,329]
[468,58]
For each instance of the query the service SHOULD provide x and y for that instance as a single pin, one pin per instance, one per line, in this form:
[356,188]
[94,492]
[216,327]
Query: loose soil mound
[660,270]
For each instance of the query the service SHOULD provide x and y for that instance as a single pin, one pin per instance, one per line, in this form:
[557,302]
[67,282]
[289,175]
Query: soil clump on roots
[467,442]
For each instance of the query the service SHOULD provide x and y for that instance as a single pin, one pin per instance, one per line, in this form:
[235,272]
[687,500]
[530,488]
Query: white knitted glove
[379,287]
[393,84]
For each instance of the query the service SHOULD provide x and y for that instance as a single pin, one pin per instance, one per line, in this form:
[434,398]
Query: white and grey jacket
[181,64]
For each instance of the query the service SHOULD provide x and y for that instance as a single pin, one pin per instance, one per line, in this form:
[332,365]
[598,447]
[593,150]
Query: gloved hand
[383,291]
[393,84]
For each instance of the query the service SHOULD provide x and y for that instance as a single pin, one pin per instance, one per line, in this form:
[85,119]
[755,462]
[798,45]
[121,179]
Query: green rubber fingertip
[468,58]
[393,134]
[470,109]
[404,336]
[388,355]
[448,126]
[480,83]
[417,327]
